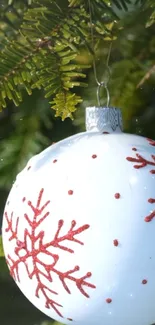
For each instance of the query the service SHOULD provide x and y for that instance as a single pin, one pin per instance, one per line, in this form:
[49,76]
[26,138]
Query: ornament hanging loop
[102,84]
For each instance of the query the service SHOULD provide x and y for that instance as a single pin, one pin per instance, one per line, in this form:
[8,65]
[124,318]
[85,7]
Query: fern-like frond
[64,104]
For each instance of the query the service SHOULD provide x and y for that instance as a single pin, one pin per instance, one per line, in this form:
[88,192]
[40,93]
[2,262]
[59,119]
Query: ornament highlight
[79,226]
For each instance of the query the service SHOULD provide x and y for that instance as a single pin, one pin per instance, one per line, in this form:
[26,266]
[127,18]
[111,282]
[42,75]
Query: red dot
[117,195]
[70,192]
[108,300]
[54,161]
[144,281]
[134,149]
[151,200]
[147,219]
[89,274]
[70,319]
[115,242]
[76,268]
[29,168]
[24,198]
[105,132]
[94,156]
[152,171]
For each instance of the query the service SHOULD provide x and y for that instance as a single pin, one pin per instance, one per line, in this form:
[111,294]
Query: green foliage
[1,247]
[39,59]
[44,52]
[24,138]
[27,2]
[11,16]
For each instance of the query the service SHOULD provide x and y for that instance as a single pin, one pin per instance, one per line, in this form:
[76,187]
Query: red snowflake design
[151,142]
[142,162]
[152,214]
[39,215]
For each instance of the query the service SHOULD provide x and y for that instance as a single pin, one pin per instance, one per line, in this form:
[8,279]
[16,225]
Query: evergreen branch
[15,70]
[39,60]
[45,63]
[146,76]
[48,68]
[108,6]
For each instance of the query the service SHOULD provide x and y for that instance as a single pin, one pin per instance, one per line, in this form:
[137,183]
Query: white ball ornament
[79,226]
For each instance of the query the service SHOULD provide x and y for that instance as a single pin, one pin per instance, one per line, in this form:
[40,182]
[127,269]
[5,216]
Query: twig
[147,76]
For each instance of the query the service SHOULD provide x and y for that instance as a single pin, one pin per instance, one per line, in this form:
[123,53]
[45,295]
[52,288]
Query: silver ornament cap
[103,119]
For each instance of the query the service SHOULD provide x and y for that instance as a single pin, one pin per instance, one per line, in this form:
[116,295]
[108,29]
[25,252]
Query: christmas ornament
[79,229]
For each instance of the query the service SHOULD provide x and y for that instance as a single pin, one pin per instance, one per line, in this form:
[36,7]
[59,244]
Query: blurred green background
[31,127]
